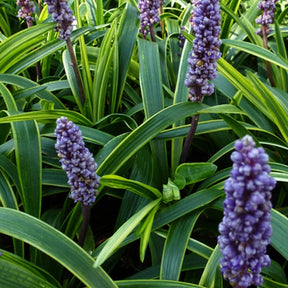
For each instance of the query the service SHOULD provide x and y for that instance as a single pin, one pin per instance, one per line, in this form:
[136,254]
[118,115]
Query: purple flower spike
[149,14]
[26,10]
[203,59]
[77,162]
[245,230]
[268,8]
[62,15]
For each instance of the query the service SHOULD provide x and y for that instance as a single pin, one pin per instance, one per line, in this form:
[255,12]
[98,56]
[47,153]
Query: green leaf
[25,83]
[151,90]
[47,115]
[102,73]
[144,133]
[150,77]
[281,51]
[193,245]
[190,173]
[227,20]
[10,170]
[27,269]
[181,95]
[211,270]
[256,51]
[176,244]
[269,283]
[279,224]
[127,35]
[28,161]
[86,74]
[71,77]
[26,134]
[117,238]
[13,275]
[38,54]
[17,45]
[55,244]
[274,108]
[235,125]
[155,284]
[136,187]
[7,196]
[145,232]
[186,205]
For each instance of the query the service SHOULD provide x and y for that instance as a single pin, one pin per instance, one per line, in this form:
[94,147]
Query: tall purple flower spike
[76,161]
[245,230]
[149,14]
[203,58]
[268,8]
[27,10]
[62,15]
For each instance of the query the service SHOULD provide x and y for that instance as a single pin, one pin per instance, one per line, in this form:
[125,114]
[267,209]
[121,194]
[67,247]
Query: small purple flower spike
[77,162]
[245,230]
[181,39]
[149,14]
[26,10]
[202,62]
[268,8]
[62,15]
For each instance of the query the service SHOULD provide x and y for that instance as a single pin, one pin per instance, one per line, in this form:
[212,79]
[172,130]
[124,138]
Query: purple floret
[268,8]
[245,230]
[62,15]
[203,58]
[27,10]
[77,162]
[149,14]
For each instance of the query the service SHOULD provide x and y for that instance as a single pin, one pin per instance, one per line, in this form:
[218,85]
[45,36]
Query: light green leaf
[136,187]
[145,232]
[209,274]
[189,173]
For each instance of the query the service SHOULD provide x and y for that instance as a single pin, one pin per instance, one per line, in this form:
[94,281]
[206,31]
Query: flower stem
[76,70]
[192,131]
[268,65]
[86,211]
[152,33]
[189,138]
[40,6]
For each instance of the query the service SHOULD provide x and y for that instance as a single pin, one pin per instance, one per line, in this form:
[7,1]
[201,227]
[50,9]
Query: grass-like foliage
[155,219]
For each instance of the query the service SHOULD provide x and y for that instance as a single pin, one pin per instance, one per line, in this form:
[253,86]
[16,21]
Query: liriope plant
[162,231]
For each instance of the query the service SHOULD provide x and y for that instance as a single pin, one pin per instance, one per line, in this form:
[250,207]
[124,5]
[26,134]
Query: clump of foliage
[153,215]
